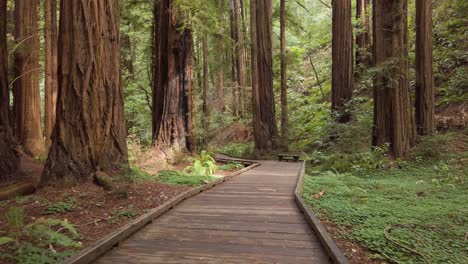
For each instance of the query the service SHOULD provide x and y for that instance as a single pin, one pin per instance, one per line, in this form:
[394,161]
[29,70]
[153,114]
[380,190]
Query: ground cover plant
[413,212]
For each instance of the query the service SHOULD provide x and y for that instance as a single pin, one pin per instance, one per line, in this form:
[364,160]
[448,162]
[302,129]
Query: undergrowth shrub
[231,166]
[61,206]
[243,149]
[38,242]
[180,178]
[203,165]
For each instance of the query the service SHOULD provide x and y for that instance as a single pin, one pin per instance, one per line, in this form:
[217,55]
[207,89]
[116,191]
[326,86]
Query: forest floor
[52,224]
[413,211]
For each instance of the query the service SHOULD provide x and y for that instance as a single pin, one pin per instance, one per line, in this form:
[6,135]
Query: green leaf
[6,240]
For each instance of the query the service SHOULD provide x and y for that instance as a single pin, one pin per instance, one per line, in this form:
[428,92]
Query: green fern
[15,218]
[203,165]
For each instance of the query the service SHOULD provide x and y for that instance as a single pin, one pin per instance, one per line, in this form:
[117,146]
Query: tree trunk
[342,56]
[240,55]
[206,87]
[424,74]
[27,101]
[393,115]
[172,90]
[284,92]
[90,133]
[50,68]
[255,101]
[363,38]
[8,156]
[265,119]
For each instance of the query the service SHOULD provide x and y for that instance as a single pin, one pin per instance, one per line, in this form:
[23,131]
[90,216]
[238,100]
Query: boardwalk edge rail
[332,249]
[97,249]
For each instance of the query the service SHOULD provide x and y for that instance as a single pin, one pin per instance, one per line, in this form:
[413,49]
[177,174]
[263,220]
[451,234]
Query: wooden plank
[101,246]
[333,250]
[252,219]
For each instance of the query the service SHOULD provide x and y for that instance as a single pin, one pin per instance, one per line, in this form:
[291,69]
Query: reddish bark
[173,123]
[90,132]
[342,56]
[265,128]
[8,156]
[393,114]
[51,81]
[424,72]
[27,101]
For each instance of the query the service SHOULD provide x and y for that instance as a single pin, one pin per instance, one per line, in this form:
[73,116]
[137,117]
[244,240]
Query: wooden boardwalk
[251,219]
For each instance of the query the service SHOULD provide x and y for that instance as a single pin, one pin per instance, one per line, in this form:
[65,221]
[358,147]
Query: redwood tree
[51,67]
[342,56]
[8,156]
[90,133]
[363,38]
[206,86]
[173,125]
[393,115]
[27,101]
[240,54]
[424,74]
[284,92]
[264,118]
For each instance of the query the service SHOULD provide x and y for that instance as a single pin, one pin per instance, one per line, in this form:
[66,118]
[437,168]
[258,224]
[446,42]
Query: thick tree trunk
[27,101]
[284,92]
[342,56]
[206,87]
[424,74]
[172,89]
[90,132]
[8,156]
[51,81]
[393,115]
[363,38]
[265,119]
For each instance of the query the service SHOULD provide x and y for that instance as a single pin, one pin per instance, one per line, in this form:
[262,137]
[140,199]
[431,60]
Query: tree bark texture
[90,132]
[240,55]
[206,87]
[27,101]
[173,125]
[265,128]
[363,38]
[8,156]
[255,100]
[284,88]
[424,73]
[51,81]
[393,114]
[342,56]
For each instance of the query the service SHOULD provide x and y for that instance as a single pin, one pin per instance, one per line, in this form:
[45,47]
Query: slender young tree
[90,133]
[27,101]
[240,55]
[424,73]
[206,87]
[393,115]
[342,56]
[264,119]
[363,38]
[284,88]
[255,101]
[8,156]
[173,127]
[51,81]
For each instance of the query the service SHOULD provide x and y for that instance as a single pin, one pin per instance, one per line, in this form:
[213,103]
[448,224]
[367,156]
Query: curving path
[252,218]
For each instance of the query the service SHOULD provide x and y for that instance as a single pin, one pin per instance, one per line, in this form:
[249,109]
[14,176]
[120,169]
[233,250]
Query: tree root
[412,250]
